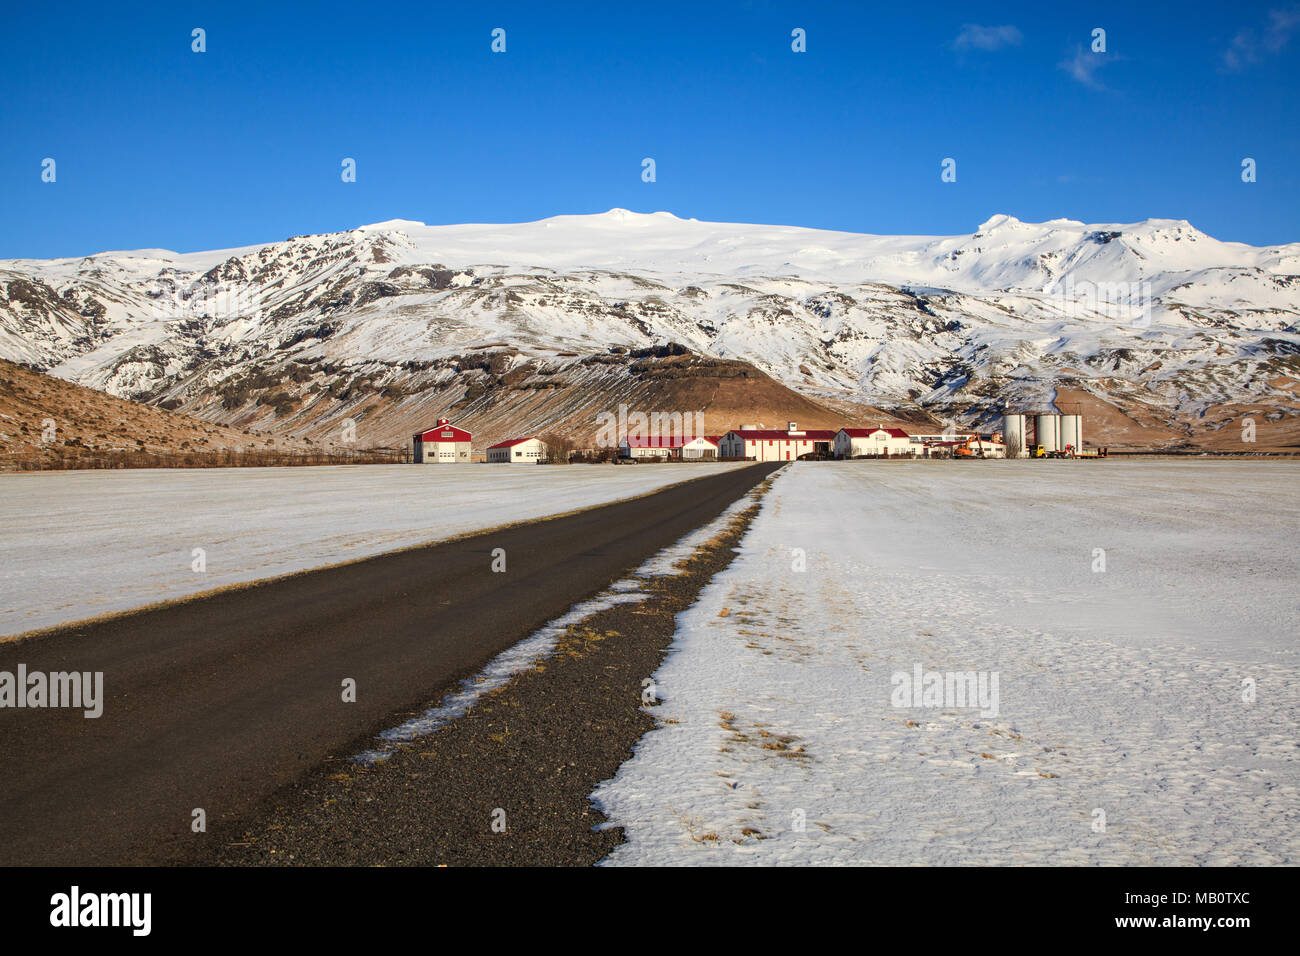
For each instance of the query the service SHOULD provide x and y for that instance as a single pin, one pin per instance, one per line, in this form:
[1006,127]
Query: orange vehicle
[975,447]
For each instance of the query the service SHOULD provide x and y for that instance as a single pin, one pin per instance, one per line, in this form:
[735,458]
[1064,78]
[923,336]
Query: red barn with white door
[444,444]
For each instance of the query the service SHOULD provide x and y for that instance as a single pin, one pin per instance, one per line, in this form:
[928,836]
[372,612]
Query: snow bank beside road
[1121,737]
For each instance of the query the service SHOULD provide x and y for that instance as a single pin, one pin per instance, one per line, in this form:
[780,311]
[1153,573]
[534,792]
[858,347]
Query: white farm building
[673,447]
[774,444]
[444,444]
[702,446]
[517,451]
[635,446]
[873,442]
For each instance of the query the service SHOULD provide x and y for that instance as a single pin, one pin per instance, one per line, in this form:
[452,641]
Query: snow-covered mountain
[1164,326]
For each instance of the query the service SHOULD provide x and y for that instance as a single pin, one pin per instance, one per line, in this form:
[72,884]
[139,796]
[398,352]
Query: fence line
[64,459]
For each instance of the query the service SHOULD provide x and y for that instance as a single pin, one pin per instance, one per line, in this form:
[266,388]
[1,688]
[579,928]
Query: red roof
[443,433]
[510,443]
[808,434]
[865,432]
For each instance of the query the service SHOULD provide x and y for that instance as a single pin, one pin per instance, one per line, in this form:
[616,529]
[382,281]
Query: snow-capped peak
[1003,254]
[1001,219]
[391,225]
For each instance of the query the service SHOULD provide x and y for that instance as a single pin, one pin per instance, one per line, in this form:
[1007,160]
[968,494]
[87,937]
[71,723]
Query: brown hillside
[87,421]
[1140,426]
[497,394]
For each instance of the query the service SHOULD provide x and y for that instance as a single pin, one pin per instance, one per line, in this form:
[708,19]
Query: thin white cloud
[975,37]
[1251,45]
[1083,66]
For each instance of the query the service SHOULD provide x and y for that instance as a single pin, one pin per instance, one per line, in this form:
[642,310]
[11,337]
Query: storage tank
[1072,432]
[1048,428]
[1013,434]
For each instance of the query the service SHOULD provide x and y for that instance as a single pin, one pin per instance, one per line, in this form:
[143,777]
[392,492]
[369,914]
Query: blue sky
[158,146]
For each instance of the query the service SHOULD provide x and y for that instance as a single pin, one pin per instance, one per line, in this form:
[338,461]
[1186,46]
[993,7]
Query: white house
[517,451]
[773,444]
[702,446]
[872,442]
[637,446]
[444,444]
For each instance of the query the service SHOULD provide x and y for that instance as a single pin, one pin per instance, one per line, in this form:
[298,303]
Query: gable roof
[866,432]
[511,442]
[443,433]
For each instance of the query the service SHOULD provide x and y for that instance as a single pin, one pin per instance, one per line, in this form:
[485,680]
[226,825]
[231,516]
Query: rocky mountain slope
[1165,334]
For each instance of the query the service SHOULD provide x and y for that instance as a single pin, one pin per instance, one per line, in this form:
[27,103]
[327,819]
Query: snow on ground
[78,544]
[1121,736]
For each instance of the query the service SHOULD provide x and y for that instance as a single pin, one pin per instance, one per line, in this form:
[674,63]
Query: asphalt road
[218,702]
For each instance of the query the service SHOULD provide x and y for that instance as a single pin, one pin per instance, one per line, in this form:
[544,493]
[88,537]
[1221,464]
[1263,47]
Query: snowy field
[79,544]
[1122,731]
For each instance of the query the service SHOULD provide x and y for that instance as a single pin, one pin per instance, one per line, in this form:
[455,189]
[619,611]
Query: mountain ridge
[1166,325]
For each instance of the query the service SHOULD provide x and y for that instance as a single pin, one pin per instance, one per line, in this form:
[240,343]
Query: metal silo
[1072,432]
[1013,435]
[1048,429]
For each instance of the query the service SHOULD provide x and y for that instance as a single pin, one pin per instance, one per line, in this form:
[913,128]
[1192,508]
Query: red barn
[444,444]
